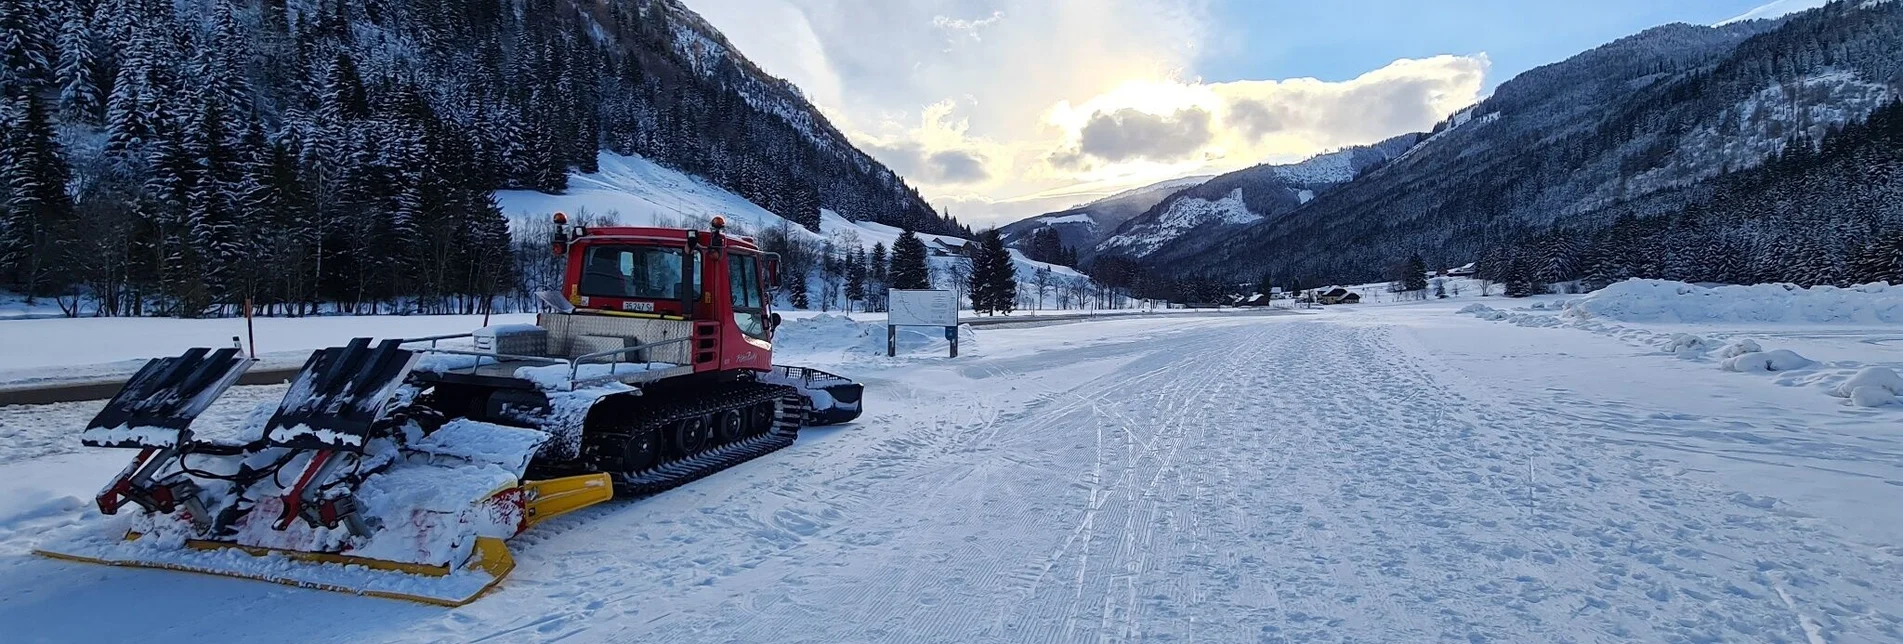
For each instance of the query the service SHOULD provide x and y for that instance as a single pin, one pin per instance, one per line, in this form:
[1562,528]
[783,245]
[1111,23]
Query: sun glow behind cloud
[978,102]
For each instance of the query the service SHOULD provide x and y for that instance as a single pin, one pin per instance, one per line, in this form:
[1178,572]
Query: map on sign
[922,308]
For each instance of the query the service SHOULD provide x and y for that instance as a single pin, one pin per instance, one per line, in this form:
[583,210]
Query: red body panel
[713,311]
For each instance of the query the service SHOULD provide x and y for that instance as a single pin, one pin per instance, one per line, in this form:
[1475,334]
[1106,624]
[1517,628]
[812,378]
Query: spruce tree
[855,275]
[1416,277]
[1001,275]
[79,98]
[909,270]
[25,47]
[41,233]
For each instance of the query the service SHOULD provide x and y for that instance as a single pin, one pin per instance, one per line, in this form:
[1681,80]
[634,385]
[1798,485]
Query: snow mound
[1771,361]
[839,336]
[1871,387]
[1686,346]
[1738,348]
[829,333]
[1668,301]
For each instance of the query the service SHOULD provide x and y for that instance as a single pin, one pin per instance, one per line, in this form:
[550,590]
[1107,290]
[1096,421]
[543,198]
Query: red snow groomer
[398,469]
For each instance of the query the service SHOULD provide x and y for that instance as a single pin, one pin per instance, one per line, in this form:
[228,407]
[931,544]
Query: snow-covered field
[1390,473]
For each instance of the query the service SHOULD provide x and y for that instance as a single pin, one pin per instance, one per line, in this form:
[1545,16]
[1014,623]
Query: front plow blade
[437,585]
[544,500]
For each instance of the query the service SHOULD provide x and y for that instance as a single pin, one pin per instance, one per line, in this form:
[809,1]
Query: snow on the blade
[507,447]
[109,545]
[145,436]
[555,377]
[324,435]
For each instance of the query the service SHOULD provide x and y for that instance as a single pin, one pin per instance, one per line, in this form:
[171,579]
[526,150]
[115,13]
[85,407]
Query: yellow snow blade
[491,558]
[555,497]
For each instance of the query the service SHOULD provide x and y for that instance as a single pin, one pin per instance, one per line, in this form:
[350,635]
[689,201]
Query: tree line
[179,158]
[1823,214]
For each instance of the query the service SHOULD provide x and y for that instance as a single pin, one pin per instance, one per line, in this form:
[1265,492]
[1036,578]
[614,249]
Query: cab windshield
[632,272]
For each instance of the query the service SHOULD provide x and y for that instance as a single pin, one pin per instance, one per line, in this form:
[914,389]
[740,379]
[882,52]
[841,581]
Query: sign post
[937,308]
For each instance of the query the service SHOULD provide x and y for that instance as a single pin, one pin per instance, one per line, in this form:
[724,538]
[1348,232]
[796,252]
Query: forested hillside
[1634,127]
[1830,215]
[176,157]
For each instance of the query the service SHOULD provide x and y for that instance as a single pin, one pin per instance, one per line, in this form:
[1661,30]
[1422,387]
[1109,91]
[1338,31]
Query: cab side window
[749,303]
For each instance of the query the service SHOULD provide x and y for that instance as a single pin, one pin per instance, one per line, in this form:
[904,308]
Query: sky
[1003,109]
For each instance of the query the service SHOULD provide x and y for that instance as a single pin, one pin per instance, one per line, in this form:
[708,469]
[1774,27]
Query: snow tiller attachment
[347,486]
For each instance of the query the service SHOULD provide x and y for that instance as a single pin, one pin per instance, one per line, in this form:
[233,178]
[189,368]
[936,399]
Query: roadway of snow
[1385,472]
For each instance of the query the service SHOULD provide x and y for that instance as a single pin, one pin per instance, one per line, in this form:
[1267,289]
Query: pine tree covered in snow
[909,270]
[38,229]
[993,282]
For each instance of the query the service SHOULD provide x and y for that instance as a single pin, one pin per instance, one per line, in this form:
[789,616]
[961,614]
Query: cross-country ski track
[1376,476]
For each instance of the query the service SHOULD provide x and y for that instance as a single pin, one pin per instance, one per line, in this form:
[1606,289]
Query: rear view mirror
[773,270]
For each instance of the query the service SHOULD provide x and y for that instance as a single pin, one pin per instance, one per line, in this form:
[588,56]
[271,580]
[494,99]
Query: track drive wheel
[729,426]
[643,450]
[760,419]
[691,435]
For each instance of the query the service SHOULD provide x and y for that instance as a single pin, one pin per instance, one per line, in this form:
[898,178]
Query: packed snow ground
[1378,473]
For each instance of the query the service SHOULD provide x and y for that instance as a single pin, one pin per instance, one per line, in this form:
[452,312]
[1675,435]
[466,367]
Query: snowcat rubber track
[789,413]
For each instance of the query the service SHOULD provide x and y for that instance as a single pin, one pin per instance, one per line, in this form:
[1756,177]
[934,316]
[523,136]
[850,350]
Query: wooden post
[251,333]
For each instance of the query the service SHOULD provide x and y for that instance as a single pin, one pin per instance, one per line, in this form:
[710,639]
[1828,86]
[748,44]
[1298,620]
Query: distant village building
[1337,295]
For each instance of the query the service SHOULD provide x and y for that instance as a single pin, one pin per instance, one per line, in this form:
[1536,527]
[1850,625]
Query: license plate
[645,307]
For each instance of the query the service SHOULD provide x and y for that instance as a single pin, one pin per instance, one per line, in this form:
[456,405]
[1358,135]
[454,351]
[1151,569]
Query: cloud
[1130,134]
[969,28]
[950,167]
[957,167]
[983,103]
[1176,124]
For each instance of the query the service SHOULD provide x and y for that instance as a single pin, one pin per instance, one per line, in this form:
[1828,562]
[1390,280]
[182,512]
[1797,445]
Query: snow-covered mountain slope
[1083,227]
[634,191]
[1635,127]
[1246,196]
[1182,217]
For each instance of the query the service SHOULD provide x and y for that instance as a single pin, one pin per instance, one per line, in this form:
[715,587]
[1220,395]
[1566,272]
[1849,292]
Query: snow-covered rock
[1871,387]
[1739,347]
[1771,361]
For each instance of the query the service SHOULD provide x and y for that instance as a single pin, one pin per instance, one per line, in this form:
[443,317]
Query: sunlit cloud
[989,105]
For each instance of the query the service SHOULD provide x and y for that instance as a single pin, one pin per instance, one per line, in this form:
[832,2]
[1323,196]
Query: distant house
[942,248]
[1337,295]
[1258,299]
[1463,271]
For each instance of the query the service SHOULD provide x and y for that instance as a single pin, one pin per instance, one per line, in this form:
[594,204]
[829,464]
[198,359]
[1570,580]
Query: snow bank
[1871,387]
[1768,362]
[841,336]
[1667,301]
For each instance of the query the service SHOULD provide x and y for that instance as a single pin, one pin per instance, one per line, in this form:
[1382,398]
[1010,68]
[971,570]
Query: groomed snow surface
[1375,473]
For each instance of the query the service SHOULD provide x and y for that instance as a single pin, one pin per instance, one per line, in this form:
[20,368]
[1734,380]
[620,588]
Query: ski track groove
[1298,482]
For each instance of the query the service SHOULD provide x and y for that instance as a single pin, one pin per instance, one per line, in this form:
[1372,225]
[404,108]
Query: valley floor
[1379,474]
